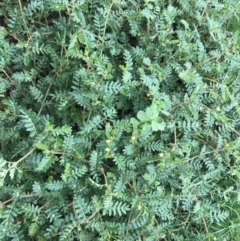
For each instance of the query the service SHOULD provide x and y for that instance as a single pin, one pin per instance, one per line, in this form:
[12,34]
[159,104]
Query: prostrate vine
[119,120]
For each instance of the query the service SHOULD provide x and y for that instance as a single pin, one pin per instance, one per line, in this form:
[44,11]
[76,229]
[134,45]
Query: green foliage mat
[119,120]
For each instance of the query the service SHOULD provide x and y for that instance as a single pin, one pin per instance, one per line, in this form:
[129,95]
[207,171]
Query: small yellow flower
[108,141]
[226,145]
[234,173]
[218,108]
[160,154]
[139,207]
[133,138]
[107,149]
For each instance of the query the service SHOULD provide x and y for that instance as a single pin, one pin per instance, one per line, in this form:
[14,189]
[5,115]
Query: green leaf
[42,146]
[141,115]
[32,230]
[29,122]
[134,122]
[146,129]
[146,61]
[158,126]
[152,111]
